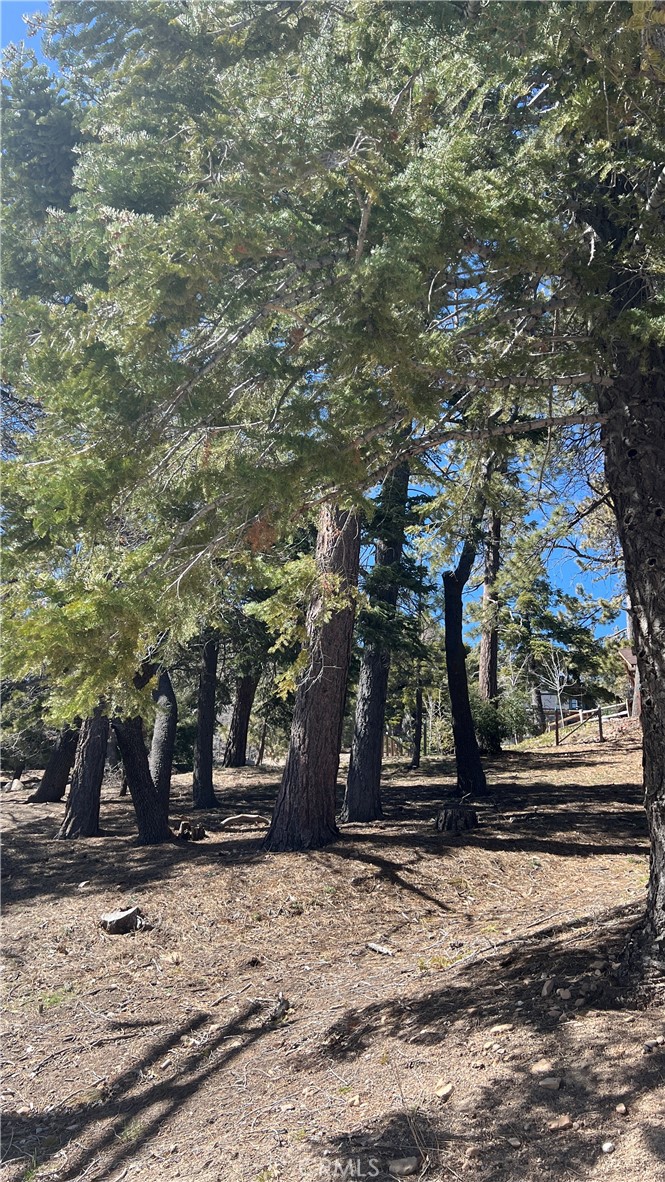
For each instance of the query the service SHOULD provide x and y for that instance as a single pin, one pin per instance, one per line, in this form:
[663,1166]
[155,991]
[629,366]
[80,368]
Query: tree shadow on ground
[549,817]
[495,1003]
[130,1109]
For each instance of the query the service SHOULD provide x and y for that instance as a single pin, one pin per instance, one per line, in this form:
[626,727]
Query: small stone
[443,1090]
[548,987]
[564,994]
[502,1028]
[401,1167]
[554,1012]
[608,1147]
[599,964]
[560,1122]
[473,1151]
[542,1067]
[621,1109]
[651,1044]
[551,1082]
[579,1001]
[478,1064]
[515,1142]
[118,922]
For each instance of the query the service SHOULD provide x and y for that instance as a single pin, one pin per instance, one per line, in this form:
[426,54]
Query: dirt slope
[157,1055]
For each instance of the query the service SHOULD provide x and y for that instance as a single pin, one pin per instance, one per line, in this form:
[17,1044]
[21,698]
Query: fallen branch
[244,817]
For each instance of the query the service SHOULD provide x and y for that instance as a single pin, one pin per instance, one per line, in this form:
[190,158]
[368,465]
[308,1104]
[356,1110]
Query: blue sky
[12,27]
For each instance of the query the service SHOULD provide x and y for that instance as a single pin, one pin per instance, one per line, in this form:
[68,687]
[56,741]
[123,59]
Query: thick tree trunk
[53,784]
[235,754]
[488,674]
[304,814]
[470,774]
[163,737]
[634,442]
[203,789]
[151,809]
[362,800]
[82,809]
[417,729]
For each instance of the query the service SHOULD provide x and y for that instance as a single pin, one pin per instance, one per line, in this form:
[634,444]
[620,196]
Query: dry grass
[152,1055]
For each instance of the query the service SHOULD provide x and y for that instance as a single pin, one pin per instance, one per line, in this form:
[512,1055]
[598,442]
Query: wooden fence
[566,726]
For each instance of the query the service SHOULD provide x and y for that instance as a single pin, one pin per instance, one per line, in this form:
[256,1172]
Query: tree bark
[488,676]
[633,437]
[203,788]
[304,814]
[235,754]
[362,800]
[53,784]
[151,809]
[163,737]
[470,774]
[417,729]
[83,802]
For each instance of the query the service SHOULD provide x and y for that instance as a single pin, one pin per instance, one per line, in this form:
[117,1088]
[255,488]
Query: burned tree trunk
[82,809]
[633,437]
[235,754]
[150,808]
[203,789]
[488,674]
[163,737]
[304,814]
[362,800]
[470,774]
[53,784]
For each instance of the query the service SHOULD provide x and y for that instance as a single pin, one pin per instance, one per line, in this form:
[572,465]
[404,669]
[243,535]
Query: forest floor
[157,1055]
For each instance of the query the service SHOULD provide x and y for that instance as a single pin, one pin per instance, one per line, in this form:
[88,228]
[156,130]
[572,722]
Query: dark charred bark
[304,814]
[82,809]
[163,737]
[203,789]
[488,674]
[470,774]
[235,754]
[151,809]
[53,784]
[362,800]
[633,437]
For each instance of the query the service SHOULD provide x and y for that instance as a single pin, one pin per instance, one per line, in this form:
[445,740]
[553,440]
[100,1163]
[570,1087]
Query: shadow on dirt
[134,1110]
[508,1117]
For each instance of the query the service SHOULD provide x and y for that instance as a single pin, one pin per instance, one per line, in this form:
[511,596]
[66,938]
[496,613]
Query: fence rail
[566,726]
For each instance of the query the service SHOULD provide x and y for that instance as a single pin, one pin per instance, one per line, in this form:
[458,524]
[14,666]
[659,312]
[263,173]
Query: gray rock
[116,923]
[402,1167]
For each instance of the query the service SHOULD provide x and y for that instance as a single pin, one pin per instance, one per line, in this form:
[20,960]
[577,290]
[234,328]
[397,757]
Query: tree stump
[456,818]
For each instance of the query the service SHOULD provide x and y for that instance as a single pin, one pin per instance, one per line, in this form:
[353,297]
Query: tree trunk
[262,744]
[235,754]
[82,810]
[362,800]
[633,437]
[538,710]
[163,737]
[113,760]
[151,809]
[470,774]
[417,729]
[304,814]
[203,789]
[53,783]
[488,676]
